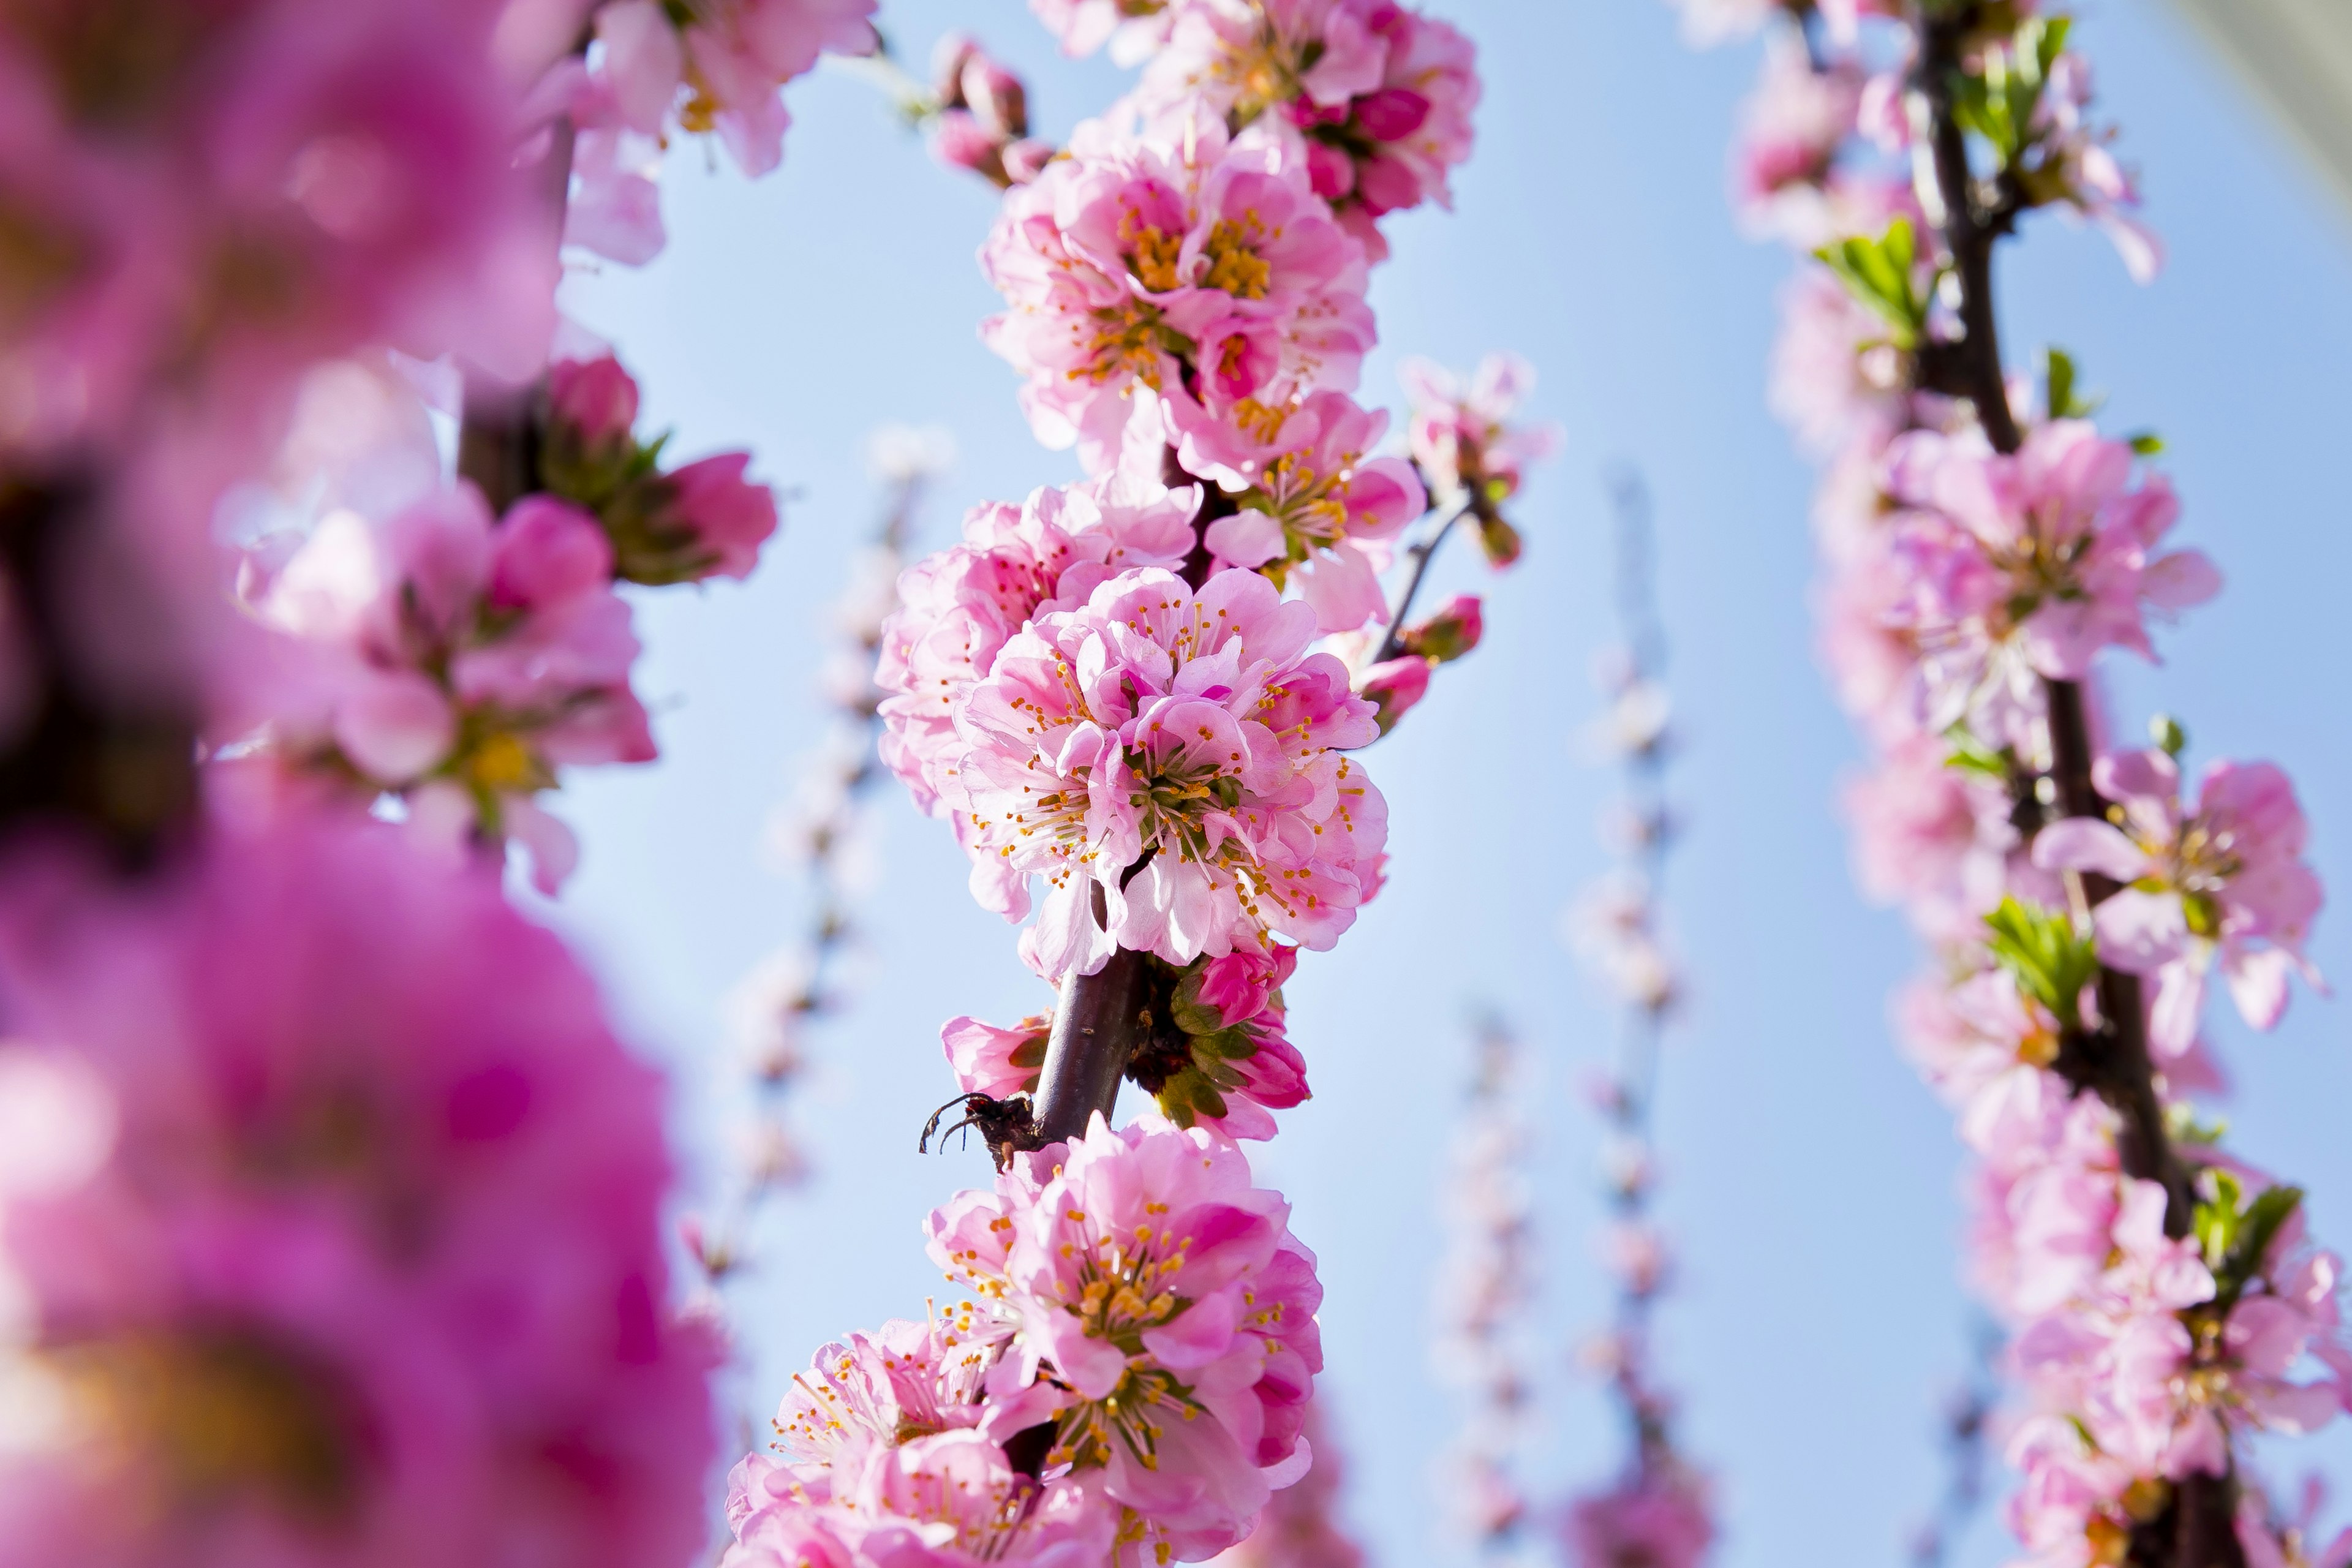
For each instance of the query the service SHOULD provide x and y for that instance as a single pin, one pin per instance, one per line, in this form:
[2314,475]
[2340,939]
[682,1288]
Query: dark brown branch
[2195,1529]
[86,744]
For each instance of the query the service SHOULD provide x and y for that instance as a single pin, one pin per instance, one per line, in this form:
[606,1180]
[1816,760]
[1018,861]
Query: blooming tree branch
[1657,1510]
[1982,553]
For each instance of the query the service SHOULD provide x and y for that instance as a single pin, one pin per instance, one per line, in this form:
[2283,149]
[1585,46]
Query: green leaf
[1879,273]
[2041,951]
[1971,755]
[2166,732]
[2215,1225]
[2146,443]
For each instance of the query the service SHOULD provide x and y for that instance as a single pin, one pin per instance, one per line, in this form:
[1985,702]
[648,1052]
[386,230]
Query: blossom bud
[594,398]
[1499,540]
[961,141]
[703,521]
[995,97]
[1449,634]
[955,50]
[1394,687]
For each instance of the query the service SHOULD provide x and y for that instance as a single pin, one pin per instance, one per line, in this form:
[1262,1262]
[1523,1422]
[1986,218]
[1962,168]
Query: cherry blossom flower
[1790,134]
[371,1269]
[1172,261]
[960,605]
[355,156]
[2026,566]
[1164,1320]
[1379,97]
[458,661]
[1938,839]
[2222,882]
[1316,508]
[1133,28]
[1177,757]
[714,67]
[1462,434]
[947,1499]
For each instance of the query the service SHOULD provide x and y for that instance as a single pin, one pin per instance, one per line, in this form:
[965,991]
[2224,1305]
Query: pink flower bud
[1393,114]
[596,397]
[1449,634]
[961,141]
[546,551]
[1393,688]
[728,516]
[995,97]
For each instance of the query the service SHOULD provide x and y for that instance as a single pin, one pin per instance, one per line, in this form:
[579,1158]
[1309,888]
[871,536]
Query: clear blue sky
[1812,1178]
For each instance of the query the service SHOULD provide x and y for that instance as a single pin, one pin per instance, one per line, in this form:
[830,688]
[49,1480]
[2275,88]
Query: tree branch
[2196,1529]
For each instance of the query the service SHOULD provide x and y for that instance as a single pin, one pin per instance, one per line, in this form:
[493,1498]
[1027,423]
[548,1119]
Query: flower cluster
[338,1237]
[1131,1375]
[1984,548]
[1375,97]
[657,70]
[1122,687]
[1169,277]
[459,659]
[1657,1510]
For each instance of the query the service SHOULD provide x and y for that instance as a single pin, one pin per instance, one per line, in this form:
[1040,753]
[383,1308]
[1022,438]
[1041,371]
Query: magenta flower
[2026,566]
[460,662]
[1316,508]
[1177,757]
[960,606]
[354,156]
[371,1270]
[1172,261]
[2222,882]
[1165,1322]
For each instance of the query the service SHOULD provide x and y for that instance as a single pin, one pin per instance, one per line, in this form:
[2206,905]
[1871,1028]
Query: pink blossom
[1175,757]
[460,661]
[1176,262]
[1394,687]
[998,1063]
[1837,377]
[2026,566]
[1790,133]
[946,1500]
[1164,1310]
[960,606]
[1133,28]
[1300,1528]
[2076,166]
[1377,98]
[1462,434]
[354,155]
[1938,839]
[906,1380]
[1314,508]
[373,1271]
[1652,1519]
[2222,882]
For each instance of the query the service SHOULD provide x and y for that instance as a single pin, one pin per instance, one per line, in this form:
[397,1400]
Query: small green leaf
[2146,443]
[2041,951]
[2166,732]
[1971,755]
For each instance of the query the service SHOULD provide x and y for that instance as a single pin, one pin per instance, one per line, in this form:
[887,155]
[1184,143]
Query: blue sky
[1812,1180]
